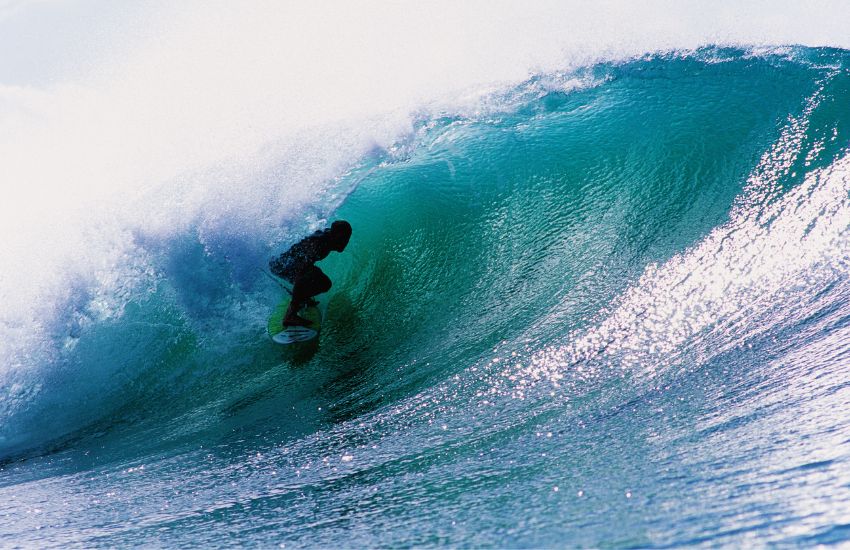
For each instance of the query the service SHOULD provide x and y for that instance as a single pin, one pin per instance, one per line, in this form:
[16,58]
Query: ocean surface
[605,306]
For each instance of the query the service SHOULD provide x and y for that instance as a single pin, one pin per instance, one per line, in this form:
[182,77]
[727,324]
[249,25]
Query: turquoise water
[604,308]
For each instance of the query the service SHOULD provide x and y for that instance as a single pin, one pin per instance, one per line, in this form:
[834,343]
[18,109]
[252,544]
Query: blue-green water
[605,308]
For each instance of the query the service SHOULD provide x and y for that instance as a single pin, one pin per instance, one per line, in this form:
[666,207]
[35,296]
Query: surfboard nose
[294,334]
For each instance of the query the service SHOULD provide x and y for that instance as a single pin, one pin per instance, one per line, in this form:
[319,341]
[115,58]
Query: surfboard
[292,335]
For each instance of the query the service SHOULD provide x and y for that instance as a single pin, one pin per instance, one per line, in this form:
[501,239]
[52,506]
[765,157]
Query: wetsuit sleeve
[302,254]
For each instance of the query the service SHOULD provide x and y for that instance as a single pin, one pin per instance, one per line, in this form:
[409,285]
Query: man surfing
[297,265]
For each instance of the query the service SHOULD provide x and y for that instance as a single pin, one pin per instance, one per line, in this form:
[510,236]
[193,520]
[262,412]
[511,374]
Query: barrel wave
[607,307]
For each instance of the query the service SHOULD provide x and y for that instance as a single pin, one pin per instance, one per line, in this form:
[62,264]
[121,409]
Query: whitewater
[596,293]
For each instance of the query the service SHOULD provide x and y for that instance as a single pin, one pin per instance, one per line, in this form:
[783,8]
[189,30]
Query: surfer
[298,266]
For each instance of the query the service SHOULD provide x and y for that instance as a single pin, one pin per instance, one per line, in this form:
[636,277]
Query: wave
[603,222]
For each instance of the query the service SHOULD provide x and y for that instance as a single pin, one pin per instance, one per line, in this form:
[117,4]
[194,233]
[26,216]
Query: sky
[48,41]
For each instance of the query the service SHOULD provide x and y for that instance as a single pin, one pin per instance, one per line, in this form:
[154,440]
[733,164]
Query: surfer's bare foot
[296,321]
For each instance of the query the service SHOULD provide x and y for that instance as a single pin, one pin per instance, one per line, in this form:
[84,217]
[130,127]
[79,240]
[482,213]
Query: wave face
[605,307]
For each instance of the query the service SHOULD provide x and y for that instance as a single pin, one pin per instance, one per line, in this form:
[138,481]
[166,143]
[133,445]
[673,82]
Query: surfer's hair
[341,228]
[340,233]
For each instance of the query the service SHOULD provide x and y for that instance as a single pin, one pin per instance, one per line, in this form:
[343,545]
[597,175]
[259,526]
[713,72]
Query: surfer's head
[340,234]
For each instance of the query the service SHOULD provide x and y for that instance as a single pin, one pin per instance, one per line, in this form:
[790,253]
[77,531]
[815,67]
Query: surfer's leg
[312,282]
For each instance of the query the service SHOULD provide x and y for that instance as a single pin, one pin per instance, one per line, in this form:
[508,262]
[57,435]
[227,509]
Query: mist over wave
[242,115]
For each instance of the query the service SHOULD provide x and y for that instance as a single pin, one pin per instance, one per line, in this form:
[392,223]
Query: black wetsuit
[297,265]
